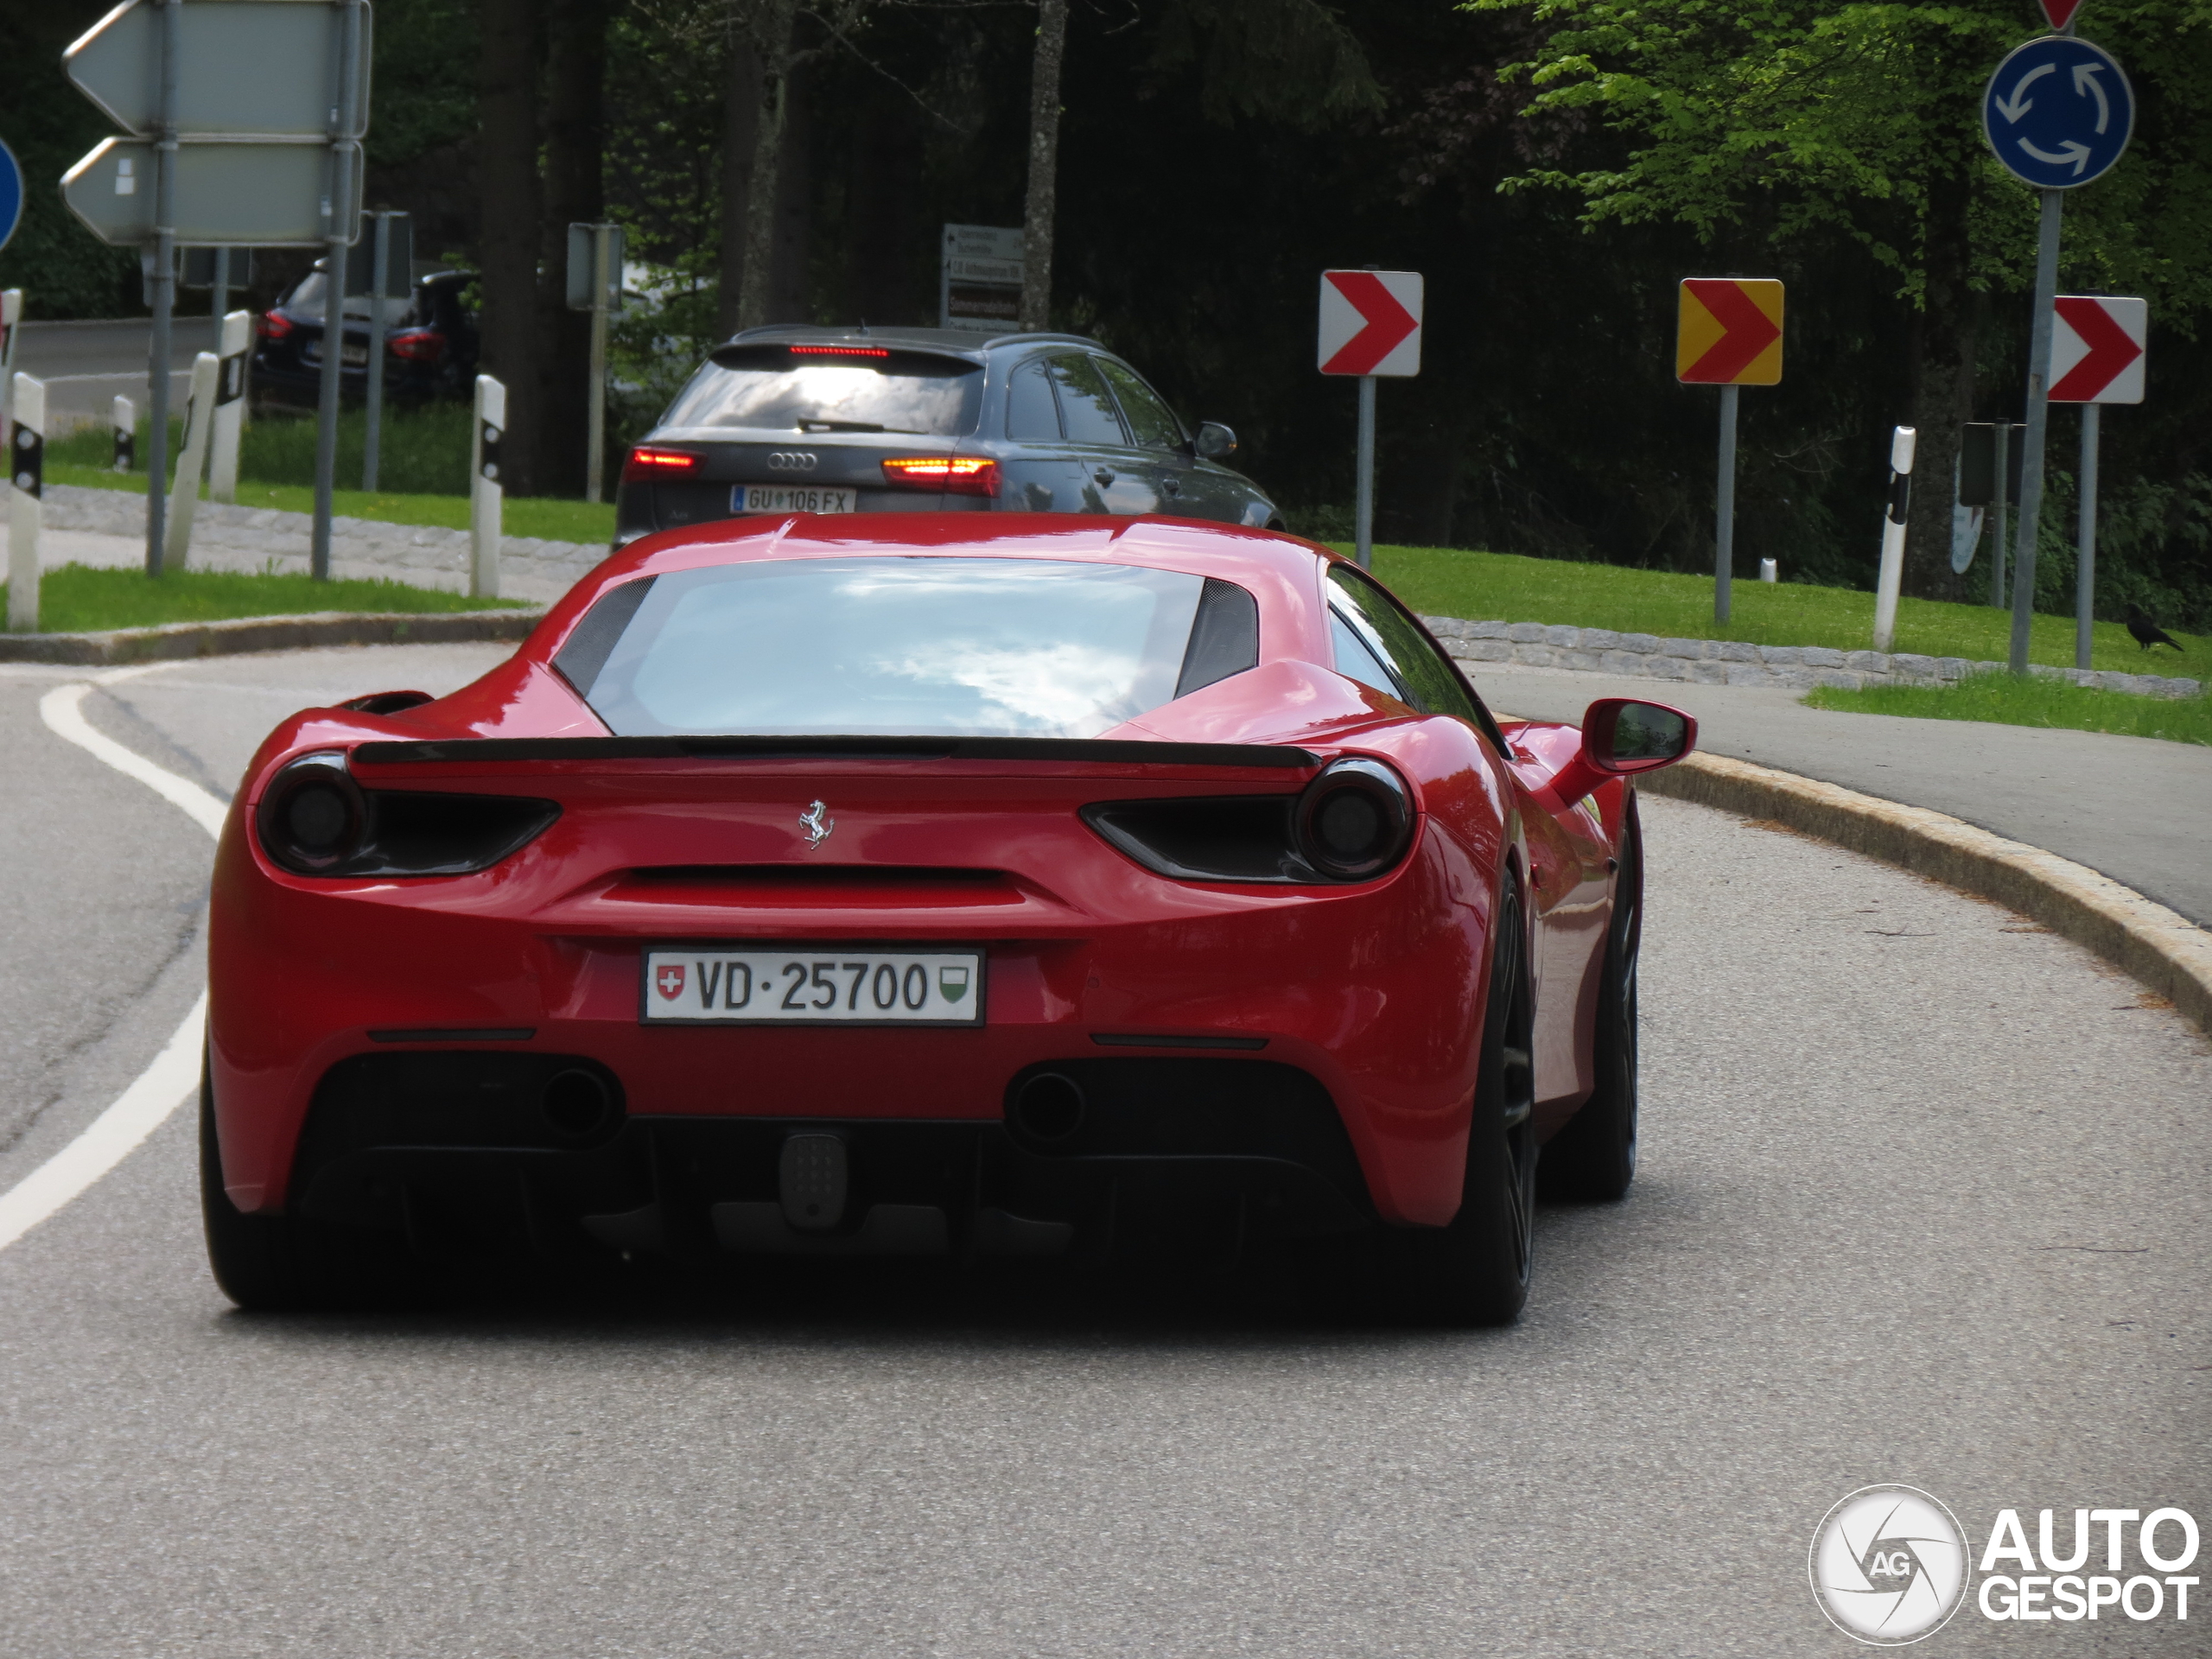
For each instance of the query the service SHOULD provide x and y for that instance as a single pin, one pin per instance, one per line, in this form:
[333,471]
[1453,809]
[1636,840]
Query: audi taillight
[417,345]
[647,463]
[951,474]
[274,325]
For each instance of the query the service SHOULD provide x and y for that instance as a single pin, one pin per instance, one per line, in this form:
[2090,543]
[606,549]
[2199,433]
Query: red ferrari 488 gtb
[924,885]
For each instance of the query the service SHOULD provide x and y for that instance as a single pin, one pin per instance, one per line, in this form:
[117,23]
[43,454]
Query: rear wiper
[839,426]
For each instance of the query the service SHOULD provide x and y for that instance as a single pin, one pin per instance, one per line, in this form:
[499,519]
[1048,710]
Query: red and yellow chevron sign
[1729,332]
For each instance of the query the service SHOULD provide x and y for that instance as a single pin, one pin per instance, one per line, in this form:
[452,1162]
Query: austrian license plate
[789,497]
[352,356]
[811,985]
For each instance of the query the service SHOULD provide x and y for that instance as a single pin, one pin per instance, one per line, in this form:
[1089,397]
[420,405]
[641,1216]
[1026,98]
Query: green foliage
[1288,60]
[62,268]
[421,451]
[75,598]
[1509,588]
[2006,699]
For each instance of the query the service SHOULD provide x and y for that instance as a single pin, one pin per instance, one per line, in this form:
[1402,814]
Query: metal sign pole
[221,285]
[1724,514]
[157,367]
[379,255]
[2024,533]
[2000,502]
[2085,568]
[339,231]
[1363,508]
[595,461]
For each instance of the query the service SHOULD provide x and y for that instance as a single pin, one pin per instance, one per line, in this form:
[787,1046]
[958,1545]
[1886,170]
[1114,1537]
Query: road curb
[177,640]
[2165,951]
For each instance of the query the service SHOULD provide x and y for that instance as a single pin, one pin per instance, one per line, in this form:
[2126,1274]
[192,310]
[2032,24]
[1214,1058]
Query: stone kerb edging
[2161,948]
[178,640]
[1732,662]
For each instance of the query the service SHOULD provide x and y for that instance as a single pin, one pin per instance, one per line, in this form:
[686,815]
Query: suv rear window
[832,388]
[907,647]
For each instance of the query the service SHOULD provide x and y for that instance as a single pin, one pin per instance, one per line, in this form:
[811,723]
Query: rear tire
[1476,1271]
[1593,1159]
[272,1263]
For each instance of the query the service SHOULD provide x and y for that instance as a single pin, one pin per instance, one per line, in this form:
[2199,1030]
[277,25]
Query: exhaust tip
[577,1104]
[1049,1107]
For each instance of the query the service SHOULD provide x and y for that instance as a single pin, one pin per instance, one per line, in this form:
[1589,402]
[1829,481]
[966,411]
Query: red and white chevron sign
[1370,322]
[2096,349]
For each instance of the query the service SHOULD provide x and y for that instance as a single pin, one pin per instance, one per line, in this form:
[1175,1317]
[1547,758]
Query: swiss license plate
[789,497]
[811,985]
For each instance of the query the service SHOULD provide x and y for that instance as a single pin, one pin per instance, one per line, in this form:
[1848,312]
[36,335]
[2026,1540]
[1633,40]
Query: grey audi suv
[794,419]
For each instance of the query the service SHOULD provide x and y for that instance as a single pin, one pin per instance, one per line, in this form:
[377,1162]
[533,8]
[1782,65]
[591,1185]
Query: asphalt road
[1925,1199]
[2134,808]
[86,365]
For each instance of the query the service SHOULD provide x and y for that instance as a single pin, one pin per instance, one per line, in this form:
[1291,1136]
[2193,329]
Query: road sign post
[595,285]
[348,119]
[2057,114]
[1728,333]
[245,118]
[1370,324]
[2097,345]
[380,264]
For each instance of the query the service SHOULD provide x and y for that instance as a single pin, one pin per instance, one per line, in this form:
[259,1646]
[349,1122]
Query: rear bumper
[1168,1154]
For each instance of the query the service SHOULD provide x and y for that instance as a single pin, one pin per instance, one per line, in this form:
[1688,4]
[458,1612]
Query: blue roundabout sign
[11,194]
[2057,112]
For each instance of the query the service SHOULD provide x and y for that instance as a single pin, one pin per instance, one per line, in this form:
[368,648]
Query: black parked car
[792,419]
[430,347]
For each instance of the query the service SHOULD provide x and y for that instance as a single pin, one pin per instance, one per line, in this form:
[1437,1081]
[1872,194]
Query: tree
[511,217]
[1760,122]
[1044,165]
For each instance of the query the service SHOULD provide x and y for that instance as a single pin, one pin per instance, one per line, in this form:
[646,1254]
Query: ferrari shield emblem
[670,981]
[953,981]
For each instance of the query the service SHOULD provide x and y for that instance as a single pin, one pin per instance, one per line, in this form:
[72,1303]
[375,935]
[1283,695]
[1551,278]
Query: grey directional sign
[227,196]
[244,67]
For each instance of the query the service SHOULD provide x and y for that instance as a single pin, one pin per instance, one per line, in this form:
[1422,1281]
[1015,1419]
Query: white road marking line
[112,1137]
[61,709]
[161,1087]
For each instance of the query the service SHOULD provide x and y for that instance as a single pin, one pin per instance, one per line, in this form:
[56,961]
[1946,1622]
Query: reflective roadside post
[124,419]
[1902,441]
[11,314]
[233,341]
[485,494]
[26,511]
[1728,333]
[191,462]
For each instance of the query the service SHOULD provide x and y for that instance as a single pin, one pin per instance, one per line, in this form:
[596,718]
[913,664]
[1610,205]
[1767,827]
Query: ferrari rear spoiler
[1095,752]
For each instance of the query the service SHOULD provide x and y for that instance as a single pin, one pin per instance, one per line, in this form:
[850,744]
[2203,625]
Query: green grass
[75,597]
[1504,587]
[2006,699]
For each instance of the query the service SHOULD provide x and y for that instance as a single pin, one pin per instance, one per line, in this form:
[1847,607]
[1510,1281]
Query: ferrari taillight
[1353,823]
[648,462]
[315,820]
[951,474]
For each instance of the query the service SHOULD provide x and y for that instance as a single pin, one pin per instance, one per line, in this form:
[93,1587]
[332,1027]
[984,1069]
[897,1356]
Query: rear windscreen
[832,388]
[920,647]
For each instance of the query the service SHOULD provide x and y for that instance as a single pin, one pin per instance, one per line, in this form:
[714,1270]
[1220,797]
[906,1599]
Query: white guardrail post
[122,419]
[11,314]
[191,463]
[1902,443]
[485,494]
[235,340]
[27,472]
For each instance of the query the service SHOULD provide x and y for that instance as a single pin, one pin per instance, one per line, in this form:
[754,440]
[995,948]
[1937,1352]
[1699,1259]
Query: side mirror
[1620,736]
[1215,441]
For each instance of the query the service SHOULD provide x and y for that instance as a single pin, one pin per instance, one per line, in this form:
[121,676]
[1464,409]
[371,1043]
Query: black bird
[2147,634]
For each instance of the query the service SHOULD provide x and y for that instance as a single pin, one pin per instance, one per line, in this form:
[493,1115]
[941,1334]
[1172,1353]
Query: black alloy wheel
[1476,1271]
[1593,1159]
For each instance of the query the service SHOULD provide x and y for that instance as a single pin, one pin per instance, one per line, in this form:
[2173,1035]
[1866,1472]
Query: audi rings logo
[1889,1565]
[793,460]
